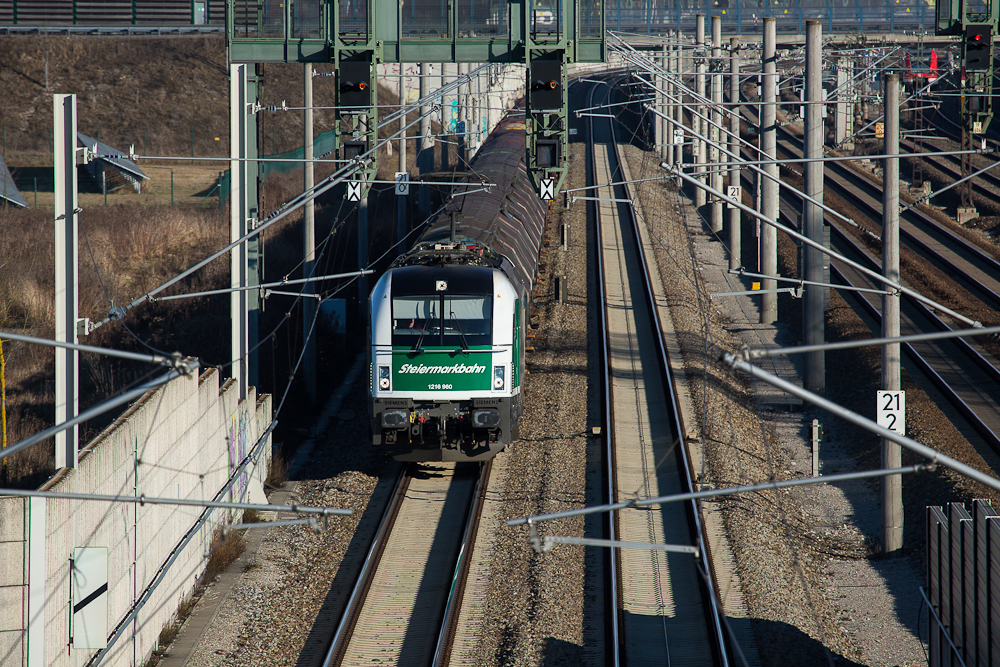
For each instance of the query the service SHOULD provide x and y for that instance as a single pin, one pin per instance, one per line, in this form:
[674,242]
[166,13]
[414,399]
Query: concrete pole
[715,128]
[363,258]
[813,325]
[735,251]
[463,114]
[308,242]
[239,209]
[425,158]
[667,133]
[843,103]
[678,65]
[698,125]
[659,124]
[769,184]
[892,487]
[447,74]
[474,123]
[66,241]
[401,200]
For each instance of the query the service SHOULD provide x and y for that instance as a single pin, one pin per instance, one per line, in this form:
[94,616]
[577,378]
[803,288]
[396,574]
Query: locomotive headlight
[383,378]
[498,378]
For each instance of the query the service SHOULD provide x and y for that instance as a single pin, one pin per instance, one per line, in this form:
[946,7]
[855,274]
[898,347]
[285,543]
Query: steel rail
[977,423]
[340,644]
[449,624]
[920,221]
[715,637]
[946,163]
[612,621]
[355,602]
[701,536]
[934,377]
[874,265]
[974,420]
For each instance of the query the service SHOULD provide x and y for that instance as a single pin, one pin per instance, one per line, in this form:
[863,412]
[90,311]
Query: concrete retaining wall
[183,440]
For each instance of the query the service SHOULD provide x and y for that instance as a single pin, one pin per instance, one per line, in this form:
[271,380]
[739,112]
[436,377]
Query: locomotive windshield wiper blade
[423,330]
[458,328]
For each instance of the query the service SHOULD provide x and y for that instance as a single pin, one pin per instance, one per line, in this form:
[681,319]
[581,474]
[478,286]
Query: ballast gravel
[814,590]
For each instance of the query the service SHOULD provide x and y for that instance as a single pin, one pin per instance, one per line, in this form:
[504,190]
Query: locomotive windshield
[447,320]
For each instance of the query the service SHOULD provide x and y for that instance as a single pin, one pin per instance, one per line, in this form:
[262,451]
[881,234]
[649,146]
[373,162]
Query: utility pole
[66,277]
[425,159]
[308,242]
[239,209]
[363,257]
[697,124]
[735,250]
[892,486]
[448,71]
[769,185]
[678,108]
[401,199]
[845,113]
[813,324]
[715,128]
[463,114]
[663,130]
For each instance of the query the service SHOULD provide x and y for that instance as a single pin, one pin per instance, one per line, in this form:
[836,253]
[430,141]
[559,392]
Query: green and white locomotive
[448,318]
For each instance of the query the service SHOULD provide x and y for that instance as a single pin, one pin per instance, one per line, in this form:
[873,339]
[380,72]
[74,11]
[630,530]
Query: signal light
[350,150]
[978,48]
[546,91]
[359,87]
[355,84]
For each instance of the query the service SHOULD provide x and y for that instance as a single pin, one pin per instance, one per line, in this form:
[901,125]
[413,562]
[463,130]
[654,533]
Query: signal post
[976,25]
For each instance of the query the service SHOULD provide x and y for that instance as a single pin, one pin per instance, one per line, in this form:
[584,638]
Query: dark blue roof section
[112,157]
[8,190]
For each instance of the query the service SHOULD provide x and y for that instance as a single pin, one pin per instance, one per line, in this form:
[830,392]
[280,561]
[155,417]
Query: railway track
[975,269]
[986,185]
[663,604]
[966,374]
[404,605]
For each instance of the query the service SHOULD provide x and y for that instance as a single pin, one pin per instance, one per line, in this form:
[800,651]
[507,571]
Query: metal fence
[962,591]
[476,18]
[112,13]
[654,17]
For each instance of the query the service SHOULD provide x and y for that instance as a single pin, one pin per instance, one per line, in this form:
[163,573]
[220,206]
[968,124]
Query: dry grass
[226,548]
[277,472]
[252,516]
[138,241]
[136,249]
[181,85]
[170,629]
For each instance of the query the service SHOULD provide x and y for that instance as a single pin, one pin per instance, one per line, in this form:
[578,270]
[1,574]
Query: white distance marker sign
[890,410]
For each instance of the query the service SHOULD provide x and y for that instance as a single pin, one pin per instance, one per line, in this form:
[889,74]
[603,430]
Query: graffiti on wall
[239,447]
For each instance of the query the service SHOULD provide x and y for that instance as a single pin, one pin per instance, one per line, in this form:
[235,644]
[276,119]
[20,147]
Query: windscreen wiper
[423,330]
[458,328]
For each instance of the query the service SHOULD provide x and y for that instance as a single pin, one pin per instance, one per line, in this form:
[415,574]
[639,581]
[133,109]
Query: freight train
[448,318]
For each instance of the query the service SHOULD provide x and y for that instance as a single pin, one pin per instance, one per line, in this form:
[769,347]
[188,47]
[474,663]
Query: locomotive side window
[458,320]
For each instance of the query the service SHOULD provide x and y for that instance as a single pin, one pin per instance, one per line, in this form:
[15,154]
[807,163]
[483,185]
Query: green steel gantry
[357,35]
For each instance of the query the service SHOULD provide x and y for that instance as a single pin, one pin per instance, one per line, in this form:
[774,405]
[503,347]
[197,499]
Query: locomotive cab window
[448,320]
